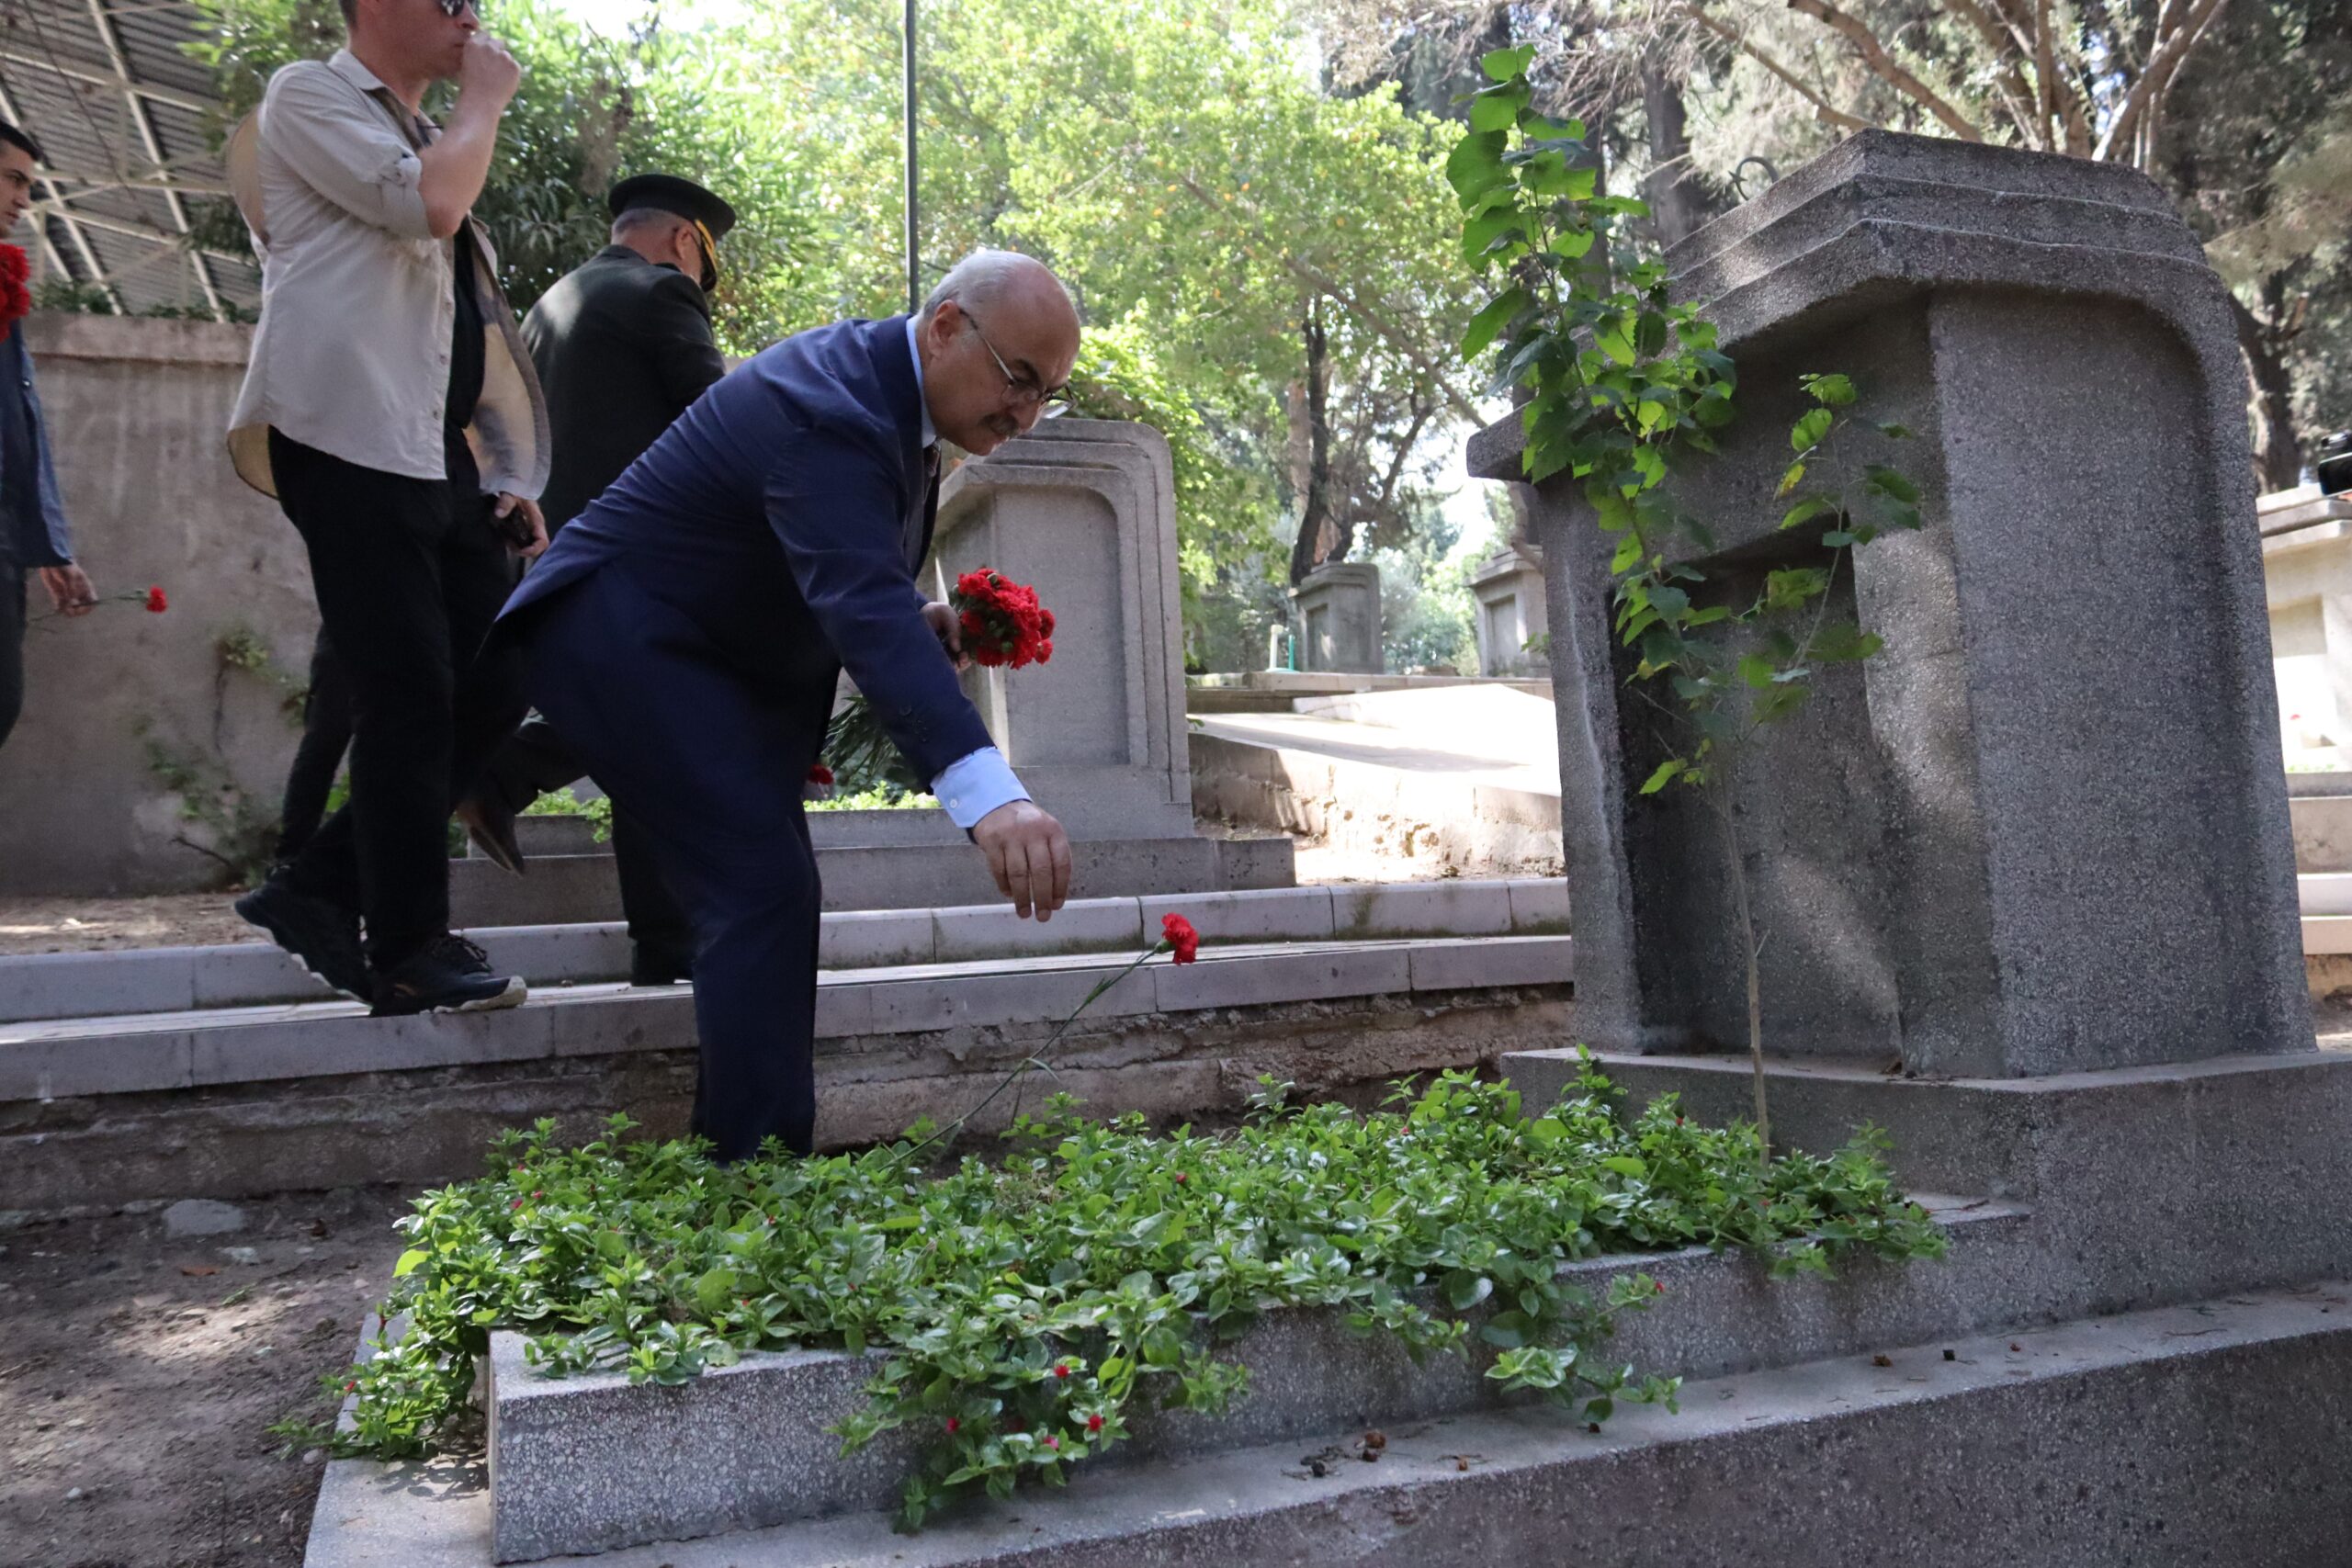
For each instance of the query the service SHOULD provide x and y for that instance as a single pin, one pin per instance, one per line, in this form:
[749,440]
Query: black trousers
[711,763]
[12,645]
[409,575]
[535,760]
[326,735]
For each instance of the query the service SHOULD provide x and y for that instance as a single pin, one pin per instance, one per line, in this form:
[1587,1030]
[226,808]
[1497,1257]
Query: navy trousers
[708,759]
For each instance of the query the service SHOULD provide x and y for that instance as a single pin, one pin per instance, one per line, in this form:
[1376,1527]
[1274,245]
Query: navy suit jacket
[775,515]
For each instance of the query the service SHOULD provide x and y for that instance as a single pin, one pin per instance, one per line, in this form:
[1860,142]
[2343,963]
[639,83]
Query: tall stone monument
[2043,830]
[1337,614]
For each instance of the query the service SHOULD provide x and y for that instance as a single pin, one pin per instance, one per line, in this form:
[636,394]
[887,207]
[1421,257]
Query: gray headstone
[1336,611]
[2044,831]
[1084,511]
[202,1216]
[1508,587]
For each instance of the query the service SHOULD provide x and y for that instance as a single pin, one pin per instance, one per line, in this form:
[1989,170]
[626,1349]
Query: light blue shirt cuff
[976,785]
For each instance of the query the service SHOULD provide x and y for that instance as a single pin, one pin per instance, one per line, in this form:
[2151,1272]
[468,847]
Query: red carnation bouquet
[1004,624]
[16,299]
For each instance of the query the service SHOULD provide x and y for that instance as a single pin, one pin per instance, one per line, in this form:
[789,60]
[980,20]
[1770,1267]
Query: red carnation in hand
[1178,932]
[16,300]
[1003,622]
[820,775]
[156,602]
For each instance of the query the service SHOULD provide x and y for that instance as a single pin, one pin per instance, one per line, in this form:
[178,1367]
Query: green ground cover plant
[1024,1307]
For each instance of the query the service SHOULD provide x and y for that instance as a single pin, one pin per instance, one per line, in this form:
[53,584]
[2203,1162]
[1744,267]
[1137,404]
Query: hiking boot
[491,828]
[652,966]
[447,975]
[320,936]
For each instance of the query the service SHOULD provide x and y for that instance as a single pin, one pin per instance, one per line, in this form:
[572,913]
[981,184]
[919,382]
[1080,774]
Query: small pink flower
[954,1425]
[1052,1441]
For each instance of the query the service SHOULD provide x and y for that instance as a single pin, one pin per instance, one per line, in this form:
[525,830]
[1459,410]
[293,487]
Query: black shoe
[650,966]
[447,975]
[491,828]
[321,938]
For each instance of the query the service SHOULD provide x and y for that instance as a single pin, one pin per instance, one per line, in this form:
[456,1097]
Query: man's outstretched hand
[1028,855]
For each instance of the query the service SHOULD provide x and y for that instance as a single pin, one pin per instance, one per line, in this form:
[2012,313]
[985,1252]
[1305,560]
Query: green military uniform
[622,346]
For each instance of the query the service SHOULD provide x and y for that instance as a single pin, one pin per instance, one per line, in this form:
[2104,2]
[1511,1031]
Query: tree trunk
[1679,202]
[2277,456]
[1322,529]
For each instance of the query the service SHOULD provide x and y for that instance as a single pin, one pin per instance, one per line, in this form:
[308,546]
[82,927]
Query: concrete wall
[136,411]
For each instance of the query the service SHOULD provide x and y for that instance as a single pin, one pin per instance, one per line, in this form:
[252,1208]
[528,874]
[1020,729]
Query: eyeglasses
[1051,402]
[453,9]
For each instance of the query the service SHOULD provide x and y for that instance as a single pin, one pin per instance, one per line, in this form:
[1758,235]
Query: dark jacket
[622,347]
[32,529]
[785,515]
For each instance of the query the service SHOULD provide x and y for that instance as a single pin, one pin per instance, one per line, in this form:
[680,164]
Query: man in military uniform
[623,345]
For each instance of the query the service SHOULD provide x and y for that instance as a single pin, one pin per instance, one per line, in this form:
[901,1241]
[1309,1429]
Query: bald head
[998,338]
[983,280]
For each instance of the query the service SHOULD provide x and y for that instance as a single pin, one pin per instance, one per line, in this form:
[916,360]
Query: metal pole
[914,269]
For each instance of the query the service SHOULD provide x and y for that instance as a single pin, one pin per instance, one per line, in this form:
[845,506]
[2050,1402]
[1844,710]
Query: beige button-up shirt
[358,299]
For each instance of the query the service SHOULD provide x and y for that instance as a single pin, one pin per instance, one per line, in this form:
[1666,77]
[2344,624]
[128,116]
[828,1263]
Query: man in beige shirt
[392,410]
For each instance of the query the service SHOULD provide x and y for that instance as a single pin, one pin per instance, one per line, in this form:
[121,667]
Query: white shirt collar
[929,436]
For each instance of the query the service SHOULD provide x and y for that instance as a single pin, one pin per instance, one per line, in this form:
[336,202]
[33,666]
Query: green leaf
[1476,166]
[1649,334]
[1789,481]
[714,1289]
[1502,64]
[1629,1166]
[1629,552]
[1757,671]
[1805,510]
[1832,392]
[1615,345]
[1481,233]
[1497,109]
[1664,774]
[1555,130]
[1508,1330]
[1888,482]
[1465,1289]
[1488,322]
[408,1262]
[1572,244]
[1807,434]
[1893,432]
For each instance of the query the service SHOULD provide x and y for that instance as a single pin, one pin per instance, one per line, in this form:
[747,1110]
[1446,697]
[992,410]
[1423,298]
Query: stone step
[174,979]
[932,867]
[1956,1451]
[227,1102]
[147,1051]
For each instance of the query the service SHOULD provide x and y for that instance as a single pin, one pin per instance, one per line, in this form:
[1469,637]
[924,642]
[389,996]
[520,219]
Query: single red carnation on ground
[1178,933]
[156,602]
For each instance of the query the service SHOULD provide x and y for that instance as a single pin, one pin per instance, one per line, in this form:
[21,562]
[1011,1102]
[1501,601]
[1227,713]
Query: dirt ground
[139,1375]
[90,925]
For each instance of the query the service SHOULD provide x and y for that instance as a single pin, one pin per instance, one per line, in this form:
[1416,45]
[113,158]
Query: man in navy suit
[684,633]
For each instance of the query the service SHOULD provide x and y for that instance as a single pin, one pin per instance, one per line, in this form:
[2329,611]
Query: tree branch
[2170,49]
[2006,82]
[1763,57]
[1887,68]
[1341,295]
[2045,76]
